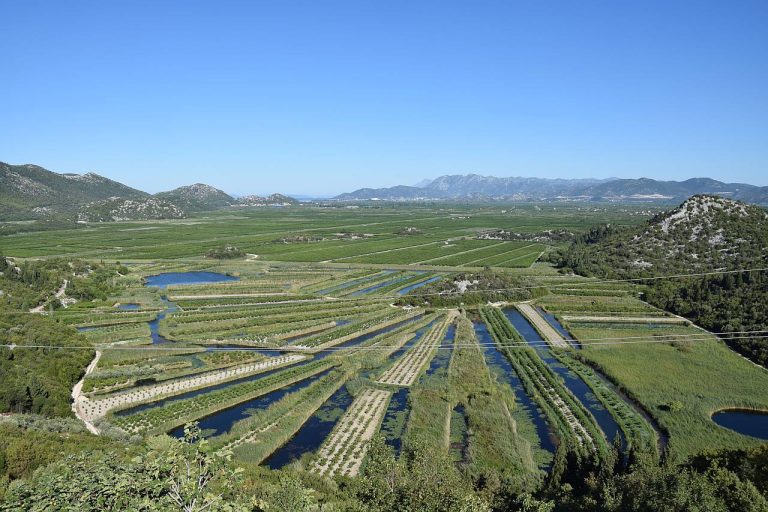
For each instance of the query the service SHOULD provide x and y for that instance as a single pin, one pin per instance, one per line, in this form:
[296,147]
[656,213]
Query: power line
[652,338]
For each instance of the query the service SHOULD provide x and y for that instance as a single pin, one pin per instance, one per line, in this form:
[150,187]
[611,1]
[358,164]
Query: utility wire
[652,338]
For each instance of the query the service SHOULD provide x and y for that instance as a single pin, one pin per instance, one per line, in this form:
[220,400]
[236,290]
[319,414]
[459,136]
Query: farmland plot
[93,409]
[344,450]
[407,369]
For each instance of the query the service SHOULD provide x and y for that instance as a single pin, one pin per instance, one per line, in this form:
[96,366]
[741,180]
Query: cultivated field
[314,310]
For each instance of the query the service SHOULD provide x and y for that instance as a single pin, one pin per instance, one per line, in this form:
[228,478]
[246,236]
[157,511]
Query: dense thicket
[39,379]
[36,375]
[225,252]
[155,477]
[25,284]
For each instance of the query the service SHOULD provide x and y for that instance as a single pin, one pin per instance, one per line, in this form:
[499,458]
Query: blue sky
[321,97]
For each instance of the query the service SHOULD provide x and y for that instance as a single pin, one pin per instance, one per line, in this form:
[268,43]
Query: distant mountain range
[488,188]
[31,192]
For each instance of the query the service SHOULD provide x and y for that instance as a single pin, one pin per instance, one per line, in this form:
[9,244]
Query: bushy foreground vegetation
[174,475]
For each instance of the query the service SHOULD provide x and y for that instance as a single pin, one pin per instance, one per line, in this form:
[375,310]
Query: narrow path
[59,294]
[548,332]
[77,398]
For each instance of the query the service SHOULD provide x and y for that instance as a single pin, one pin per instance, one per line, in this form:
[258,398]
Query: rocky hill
[270,200]
[703,234]
[29,191]
[121,209]
[197,197]
[489,188]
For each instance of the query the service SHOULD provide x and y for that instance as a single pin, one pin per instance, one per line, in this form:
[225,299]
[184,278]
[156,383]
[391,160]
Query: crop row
[247,314]
[379,280]
[172,414]
[256,437]
[344,449]
[405,371]
[96,408]
[201,301]
[361,326]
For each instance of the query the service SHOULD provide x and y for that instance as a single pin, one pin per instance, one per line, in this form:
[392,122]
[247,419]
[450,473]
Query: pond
[167,279]
[743,421]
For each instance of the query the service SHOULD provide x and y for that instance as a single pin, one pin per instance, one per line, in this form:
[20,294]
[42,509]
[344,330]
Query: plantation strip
[359,332]
[280,421]
[572,420]
[501,257]
[92,409]
[493,441]
[626,319]
[461,253]
[405,371]
[640,434]
[344,450]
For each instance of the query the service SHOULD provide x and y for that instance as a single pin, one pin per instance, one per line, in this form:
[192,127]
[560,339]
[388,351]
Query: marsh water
[354,282]
[747,422]
[418,285]
[222,421]
[167,279]
[396,416]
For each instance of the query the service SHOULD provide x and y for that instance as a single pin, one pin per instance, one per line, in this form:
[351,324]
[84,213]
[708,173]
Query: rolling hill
[197,197]
[704,234]
[29,191]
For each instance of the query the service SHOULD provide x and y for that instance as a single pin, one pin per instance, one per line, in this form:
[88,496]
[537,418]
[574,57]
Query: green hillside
[704,234]
[29,191]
